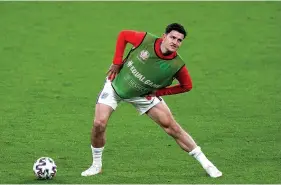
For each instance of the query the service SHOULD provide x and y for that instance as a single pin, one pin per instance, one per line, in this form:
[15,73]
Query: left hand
[150,95]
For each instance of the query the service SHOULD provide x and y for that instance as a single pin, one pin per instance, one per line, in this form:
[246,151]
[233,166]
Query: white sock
[97,155]
[200,157]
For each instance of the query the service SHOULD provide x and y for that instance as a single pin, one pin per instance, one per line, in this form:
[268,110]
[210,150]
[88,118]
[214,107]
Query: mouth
[173,46]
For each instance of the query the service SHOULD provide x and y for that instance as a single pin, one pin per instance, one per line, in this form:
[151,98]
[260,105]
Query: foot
[213,171]
[93,170]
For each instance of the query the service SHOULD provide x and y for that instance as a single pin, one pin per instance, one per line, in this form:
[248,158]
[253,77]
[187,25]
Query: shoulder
[180,59]
[179,56]
[152,35]
[132,32]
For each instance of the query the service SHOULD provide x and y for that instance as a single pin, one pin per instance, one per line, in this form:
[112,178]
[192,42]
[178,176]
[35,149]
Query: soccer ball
[44,168]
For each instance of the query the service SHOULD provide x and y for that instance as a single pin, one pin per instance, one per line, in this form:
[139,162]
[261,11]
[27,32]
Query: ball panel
[45,168]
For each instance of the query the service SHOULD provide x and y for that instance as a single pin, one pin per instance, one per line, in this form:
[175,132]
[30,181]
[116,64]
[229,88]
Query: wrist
[117,62]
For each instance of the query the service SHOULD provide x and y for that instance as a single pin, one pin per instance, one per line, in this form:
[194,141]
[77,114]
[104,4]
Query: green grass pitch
[53,60]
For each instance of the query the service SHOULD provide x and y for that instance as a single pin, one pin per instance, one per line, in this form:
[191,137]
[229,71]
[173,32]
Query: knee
[99,125]
[173,129]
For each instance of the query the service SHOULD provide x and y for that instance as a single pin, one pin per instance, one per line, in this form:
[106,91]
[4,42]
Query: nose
[174,42]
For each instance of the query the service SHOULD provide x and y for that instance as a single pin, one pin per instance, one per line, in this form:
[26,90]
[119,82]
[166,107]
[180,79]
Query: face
[172,41]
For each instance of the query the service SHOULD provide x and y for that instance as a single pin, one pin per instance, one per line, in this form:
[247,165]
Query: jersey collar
[158,52]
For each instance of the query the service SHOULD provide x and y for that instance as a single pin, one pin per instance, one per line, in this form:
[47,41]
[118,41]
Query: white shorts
[109,97]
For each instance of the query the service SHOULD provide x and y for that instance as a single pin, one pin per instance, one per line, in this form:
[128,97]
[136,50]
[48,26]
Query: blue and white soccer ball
[44,168]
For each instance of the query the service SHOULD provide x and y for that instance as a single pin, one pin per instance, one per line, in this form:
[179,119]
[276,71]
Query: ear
[164,36]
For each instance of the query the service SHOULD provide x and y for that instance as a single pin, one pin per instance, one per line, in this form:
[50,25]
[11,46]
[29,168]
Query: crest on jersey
[144,54]
[104,95]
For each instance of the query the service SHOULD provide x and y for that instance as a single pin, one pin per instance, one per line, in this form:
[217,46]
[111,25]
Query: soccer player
[141,79]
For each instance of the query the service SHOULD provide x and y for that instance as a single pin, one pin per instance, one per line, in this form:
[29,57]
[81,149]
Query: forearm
[176,89]
[185,84]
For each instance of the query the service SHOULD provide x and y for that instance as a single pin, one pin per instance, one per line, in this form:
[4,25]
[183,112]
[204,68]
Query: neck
[164,50]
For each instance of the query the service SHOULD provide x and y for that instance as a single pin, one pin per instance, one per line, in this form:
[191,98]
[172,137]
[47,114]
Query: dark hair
[176,27]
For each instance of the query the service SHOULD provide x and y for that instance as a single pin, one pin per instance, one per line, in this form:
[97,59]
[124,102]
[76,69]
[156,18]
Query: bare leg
[161,114]
[102,115]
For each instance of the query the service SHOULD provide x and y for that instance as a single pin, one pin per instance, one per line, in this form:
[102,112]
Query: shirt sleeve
[185,84]
[126,36]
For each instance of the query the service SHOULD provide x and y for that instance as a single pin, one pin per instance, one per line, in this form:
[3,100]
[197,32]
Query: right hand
[113,71]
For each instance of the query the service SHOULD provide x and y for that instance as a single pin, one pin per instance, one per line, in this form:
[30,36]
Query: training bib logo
[144,54]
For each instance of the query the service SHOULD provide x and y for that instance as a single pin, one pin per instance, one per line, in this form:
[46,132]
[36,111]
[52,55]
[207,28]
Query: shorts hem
[108,104]
[150,107]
